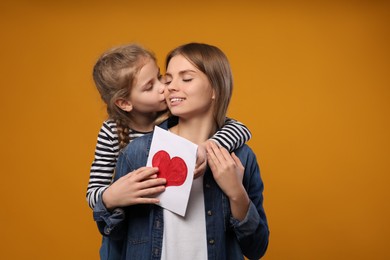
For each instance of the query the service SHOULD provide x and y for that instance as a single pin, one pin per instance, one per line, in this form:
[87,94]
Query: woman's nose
[172,86]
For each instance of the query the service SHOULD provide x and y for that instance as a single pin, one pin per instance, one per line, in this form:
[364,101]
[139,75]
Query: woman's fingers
[151,192]
[237,160]
[212,154]
[144,172]
[219,155]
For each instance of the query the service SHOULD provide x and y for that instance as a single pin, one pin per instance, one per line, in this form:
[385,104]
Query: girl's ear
[124,104]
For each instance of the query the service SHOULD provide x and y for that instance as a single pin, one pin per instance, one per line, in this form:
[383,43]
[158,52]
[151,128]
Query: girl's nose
[161,88]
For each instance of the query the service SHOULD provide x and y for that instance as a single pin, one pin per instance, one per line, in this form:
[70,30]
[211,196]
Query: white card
[175,157]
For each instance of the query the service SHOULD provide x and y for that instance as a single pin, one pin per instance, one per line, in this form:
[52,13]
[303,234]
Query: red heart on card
[173,170]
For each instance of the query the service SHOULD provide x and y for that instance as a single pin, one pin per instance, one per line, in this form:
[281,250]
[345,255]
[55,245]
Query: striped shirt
[231,136]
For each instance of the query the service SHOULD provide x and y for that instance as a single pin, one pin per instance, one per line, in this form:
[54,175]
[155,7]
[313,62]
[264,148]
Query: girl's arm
[133,184]
[103,165]
[232,135]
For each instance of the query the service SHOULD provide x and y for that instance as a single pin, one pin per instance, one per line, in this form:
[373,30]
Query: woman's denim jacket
[136,232]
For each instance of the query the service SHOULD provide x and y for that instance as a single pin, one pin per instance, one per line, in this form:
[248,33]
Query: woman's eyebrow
[186,71]
[181,72]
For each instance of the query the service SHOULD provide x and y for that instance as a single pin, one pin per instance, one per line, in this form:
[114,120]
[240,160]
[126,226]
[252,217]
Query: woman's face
[147,94]
[188,91]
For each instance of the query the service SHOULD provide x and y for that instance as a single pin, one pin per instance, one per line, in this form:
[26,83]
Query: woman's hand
[228,172]
[137,187]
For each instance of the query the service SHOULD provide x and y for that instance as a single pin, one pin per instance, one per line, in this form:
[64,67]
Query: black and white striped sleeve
[232,135]
[103,165]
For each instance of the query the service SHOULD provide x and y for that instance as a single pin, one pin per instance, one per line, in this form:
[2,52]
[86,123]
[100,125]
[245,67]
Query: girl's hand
[228,172]
[201,160]
[137,187]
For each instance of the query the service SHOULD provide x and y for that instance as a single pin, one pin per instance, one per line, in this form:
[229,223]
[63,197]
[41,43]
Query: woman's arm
[242,184]
[228,172]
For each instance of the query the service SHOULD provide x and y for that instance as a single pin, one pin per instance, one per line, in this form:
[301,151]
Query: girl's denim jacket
[136,232]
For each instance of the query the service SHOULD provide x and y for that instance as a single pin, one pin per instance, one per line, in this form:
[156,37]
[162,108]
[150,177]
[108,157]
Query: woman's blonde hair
[114,75]
[214,64]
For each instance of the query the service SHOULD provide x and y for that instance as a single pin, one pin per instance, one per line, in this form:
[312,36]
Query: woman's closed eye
[166,80]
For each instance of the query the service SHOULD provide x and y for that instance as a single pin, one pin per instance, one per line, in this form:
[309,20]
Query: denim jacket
[136,232]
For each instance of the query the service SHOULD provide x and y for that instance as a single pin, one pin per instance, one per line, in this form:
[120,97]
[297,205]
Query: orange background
[311,82]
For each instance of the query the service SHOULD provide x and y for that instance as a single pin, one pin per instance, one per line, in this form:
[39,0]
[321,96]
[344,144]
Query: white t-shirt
[185,237]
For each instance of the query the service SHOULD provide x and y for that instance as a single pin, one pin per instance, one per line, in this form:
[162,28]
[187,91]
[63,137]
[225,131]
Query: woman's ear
[124,104]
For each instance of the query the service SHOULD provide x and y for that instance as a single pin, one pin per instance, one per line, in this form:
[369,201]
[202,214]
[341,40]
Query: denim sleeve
[110,223]
[252,232]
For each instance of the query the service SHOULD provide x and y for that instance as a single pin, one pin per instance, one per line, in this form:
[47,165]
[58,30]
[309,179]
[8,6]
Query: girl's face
[188,91]
[147,94]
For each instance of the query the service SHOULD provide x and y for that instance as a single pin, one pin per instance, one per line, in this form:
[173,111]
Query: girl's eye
[149,87]
[187,80]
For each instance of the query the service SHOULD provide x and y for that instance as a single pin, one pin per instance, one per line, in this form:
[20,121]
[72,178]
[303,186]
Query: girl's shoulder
[109,129]
[109,123]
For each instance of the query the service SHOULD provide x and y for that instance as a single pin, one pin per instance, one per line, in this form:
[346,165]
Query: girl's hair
[114,74]
[215,65]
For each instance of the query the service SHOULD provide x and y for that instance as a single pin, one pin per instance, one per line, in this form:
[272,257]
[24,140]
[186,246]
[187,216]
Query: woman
[225,218]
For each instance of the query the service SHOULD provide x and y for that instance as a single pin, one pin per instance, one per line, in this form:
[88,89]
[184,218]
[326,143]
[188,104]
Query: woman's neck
[195,130]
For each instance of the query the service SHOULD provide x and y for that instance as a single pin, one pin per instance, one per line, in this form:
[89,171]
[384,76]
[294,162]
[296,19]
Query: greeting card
[175,157]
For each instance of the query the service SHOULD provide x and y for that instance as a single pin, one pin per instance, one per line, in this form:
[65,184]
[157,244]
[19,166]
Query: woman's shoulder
[138,144]
[245,153]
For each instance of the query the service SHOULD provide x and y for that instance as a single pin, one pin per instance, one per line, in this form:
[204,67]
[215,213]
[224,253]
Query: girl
[128,80]
[225,218]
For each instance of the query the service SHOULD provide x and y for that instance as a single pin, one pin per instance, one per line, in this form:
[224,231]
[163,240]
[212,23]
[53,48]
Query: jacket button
[209,212]
[207,185]
[211,242]
[107,230]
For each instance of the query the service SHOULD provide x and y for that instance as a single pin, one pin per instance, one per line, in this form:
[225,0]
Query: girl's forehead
[146,60]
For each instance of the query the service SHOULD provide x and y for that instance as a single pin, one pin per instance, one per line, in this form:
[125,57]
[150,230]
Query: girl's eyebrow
[144,86]
[147,82]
